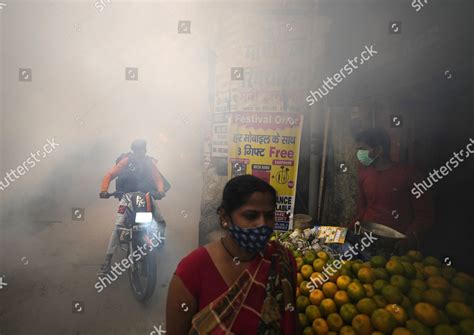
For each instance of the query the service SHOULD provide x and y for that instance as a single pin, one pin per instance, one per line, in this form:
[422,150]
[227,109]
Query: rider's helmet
[139,148]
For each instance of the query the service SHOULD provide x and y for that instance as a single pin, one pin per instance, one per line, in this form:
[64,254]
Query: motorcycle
[136,235]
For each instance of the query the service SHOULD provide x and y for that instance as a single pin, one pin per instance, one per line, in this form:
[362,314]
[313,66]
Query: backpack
[137,176]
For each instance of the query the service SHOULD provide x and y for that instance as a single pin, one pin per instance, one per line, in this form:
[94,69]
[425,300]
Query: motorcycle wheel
[142,276]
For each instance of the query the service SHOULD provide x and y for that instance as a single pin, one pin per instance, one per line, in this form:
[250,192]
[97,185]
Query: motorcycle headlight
[144,217]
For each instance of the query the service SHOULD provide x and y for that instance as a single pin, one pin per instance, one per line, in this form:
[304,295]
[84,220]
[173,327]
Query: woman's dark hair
[374,137]
[239,189]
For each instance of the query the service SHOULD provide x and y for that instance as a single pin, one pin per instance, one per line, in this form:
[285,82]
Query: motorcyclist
[136,172]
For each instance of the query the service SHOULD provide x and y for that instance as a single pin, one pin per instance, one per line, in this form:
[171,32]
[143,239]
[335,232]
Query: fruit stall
[349,291]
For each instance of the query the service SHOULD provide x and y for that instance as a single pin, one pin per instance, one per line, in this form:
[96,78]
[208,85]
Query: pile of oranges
[403,295]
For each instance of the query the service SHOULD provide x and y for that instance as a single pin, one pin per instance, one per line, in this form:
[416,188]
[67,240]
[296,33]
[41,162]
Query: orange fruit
[306,271]
[392,294]
[301,303]
[366,275]
[312,312]
[402,331]
[379,285]
[356,291]
[299,278]
[381,273]
[401,282]
[303,320]
[456,295]
[361,324]
[318,279]
[448,272]
[430,260]
[462,281]
[458,311]
[348,312]
[427,314]
[380,301]
[419,284]
[329,289]
[378,261]
[334,321]
[347,330]
[308,331]
[343,281]
[323,255]
[304,289]
[327,307]
[415,255]
[438,282]
[431,270]
[333,274]
[341,298]
[394,267]
[356,266]
[383,320]
[418,328]
[369,290]
[467,326]
[309,257]
[299,262]
[316,297]
[320,326]
[409,270]
[398,313]
[444,329]
[434,297]
[318,265]
[415,295]
[366,306]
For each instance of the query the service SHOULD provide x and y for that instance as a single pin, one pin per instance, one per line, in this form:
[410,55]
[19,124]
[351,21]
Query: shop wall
[278,46]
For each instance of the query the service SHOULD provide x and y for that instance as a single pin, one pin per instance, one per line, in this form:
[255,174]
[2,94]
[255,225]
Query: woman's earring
[224,224]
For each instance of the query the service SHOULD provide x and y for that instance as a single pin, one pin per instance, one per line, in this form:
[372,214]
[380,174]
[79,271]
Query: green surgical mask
[364,158]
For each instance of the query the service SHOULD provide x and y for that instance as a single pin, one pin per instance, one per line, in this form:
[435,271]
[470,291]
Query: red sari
[257,301]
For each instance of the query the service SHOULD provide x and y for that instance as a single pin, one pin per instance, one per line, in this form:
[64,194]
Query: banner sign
[267,146]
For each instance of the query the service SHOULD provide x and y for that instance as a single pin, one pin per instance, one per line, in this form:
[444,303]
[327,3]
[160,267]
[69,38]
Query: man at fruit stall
[385,190]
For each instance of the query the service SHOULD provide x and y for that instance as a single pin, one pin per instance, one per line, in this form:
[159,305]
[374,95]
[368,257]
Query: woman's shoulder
[195,258]
[191,267]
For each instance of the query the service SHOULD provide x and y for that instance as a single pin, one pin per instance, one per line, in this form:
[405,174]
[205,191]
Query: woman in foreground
[241,284]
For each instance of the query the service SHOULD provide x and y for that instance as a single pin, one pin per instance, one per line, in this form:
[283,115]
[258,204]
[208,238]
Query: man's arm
[422,207]
[112,174]
[160,186]
[361,203]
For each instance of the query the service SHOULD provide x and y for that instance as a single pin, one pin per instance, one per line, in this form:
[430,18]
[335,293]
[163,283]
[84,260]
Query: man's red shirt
[385,197]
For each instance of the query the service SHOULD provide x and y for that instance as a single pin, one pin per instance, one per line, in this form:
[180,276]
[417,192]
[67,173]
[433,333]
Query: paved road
[62,260]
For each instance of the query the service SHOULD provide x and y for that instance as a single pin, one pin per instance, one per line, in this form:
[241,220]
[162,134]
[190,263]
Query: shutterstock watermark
[328,269]
[135,256]
[29,163]
[418,4]
[344,72]
[100,5]
[445,169]
[157,331]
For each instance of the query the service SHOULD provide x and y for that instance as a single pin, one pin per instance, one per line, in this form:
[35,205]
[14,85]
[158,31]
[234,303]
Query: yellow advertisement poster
[267,146]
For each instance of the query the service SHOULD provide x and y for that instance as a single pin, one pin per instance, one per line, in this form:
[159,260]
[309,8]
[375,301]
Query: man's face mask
[364,158]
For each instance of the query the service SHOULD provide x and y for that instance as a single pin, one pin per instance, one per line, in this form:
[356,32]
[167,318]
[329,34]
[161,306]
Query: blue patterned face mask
[251,239]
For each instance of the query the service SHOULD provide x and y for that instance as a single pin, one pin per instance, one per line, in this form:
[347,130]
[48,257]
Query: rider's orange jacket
[114,172]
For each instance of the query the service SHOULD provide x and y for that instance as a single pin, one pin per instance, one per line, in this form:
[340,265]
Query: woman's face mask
[364,158]
[252,224]
[251,239]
